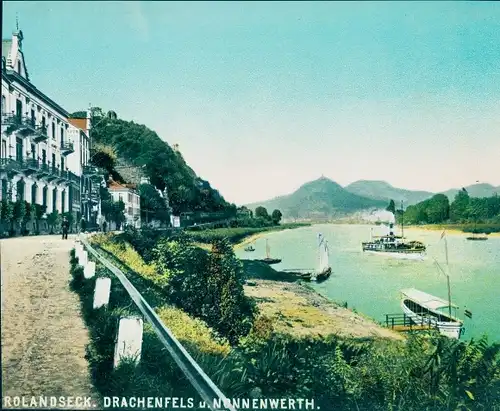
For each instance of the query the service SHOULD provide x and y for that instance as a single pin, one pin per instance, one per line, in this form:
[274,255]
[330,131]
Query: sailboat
[268,259]
[324,270]
[423,308]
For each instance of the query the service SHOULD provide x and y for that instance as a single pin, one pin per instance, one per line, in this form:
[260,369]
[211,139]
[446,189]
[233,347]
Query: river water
[371,283]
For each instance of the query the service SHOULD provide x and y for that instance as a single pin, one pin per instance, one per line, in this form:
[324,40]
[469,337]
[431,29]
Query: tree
[261,212]
[459,207]
[391,207]
[276,216]
[208,286]
[53,220]
[152,204]
[19,212]
[8,213]
[118,213]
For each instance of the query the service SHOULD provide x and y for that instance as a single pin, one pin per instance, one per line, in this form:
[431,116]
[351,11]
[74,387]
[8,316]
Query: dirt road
[43,335]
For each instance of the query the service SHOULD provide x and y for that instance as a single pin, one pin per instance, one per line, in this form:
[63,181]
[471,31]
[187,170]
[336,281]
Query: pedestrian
[104,226]
[83,225]
[65,228]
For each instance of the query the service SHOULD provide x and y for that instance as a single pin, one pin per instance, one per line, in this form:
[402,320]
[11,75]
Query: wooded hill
[141,147]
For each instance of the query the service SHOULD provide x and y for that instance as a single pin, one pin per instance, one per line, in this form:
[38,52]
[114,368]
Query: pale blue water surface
[371,283]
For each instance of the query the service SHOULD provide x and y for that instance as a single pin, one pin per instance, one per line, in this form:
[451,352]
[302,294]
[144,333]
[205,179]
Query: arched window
[63,200]
[34,191]
[20,190]
[54,199]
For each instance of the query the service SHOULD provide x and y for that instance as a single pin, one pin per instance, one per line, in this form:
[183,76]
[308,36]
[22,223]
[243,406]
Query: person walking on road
[104,226]
[83,225]
[65,228]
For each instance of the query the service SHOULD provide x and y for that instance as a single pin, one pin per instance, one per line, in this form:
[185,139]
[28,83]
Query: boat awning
[426,300]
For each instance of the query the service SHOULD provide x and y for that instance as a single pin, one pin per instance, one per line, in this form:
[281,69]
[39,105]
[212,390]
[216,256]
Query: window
[62,163]
[4,149]
[129,197]
[4,104]
[33,118]
[53,130]
[130,211]
[34,190]
[63,201]
[19,109]
[44,196]
[20,190]
[70,198]
[62,136]
[33,151]
[120,197]
[44,156]
[19,149]
[54,199]
[19,66]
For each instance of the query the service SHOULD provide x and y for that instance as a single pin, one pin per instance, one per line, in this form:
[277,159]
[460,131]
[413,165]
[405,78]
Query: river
[371,283]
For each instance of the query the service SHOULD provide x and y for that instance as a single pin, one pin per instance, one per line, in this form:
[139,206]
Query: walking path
[43,334]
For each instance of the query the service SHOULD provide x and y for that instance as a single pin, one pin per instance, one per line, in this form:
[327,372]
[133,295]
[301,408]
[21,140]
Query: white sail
[323,256]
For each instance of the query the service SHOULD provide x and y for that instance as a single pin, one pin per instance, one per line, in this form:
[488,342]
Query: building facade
[132,202]
[42,154]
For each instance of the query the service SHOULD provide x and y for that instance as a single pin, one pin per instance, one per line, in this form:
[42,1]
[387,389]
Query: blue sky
[262,97]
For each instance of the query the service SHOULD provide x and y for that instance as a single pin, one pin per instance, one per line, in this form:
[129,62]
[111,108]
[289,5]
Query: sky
[264,96]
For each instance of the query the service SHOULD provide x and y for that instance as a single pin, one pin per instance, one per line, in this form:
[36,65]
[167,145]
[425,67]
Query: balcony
[12,121]
[40,133]
[30,166]
[74,178]
[10,165]
[67,148]
[43,170]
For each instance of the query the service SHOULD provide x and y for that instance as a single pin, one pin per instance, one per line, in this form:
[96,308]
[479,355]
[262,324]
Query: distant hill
[321,198]
[475,190]
[380,190]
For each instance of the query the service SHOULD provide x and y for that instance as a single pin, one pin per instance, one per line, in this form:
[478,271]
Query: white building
[41,153]
[131,199]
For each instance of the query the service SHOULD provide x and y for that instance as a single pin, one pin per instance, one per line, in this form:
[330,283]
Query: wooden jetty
[404,323]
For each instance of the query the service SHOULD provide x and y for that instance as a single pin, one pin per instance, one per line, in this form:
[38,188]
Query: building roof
[114,186]
[426,300]
[80,123]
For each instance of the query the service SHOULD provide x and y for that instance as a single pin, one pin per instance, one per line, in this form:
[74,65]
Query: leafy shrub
[193,332]
[208,286]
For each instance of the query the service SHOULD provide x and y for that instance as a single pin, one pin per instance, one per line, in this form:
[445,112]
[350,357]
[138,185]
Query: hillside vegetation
[254,359]
[141,147]
[381,190]
[464,209]
[321,198]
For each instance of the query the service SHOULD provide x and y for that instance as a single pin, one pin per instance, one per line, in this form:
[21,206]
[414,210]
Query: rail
[403,322]
[207,390]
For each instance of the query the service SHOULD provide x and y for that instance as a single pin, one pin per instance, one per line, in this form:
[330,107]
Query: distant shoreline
[449,228]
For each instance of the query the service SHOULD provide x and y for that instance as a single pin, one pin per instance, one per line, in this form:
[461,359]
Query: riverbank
[455,229]
[296,308]
[238,236]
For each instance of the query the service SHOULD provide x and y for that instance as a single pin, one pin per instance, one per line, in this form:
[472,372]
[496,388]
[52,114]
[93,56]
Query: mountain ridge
[368,193]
